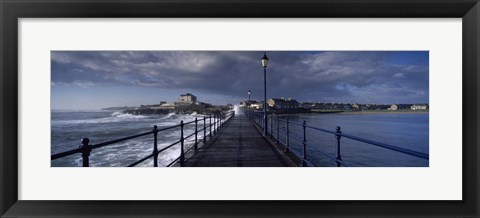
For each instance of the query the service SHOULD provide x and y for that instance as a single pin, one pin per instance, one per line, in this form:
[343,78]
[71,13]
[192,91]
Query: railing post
[210,126]
[287,149]
[204,130]
[86,152]
[304,163]
[155,148]
[271,125]
[182,155]
[265,124]
[196,131]
[338,135]
[278,130]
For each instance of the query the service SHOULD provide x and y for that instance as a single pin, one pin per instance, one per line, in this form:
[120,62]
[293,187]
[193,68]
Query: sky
[98,79]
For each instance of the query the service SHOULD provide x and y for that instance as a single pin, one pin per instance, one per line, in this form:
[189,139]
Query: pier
[238,144]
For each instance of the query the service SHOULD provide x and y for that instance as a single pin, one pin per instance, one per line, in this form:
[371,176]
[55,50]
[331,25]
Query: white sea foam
[169,115]
[127,116]
[114,118]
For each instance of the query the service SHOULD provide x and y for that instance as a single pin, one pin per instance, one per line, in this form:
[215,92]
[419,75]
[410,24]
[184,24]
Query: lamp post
[265,64]
[249,93]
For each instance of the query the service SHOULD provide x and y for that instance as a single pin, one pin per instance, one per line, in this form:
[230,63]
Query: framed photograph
[226,108]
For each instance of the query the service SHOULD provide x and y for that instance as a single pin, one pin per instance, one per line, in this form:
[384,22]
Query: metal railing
[219,119]
[337,133]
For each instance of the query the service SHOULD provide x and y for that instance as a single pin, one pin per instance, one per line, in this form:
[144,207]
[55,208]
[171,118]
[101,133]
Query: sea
[404,130]
[69,127]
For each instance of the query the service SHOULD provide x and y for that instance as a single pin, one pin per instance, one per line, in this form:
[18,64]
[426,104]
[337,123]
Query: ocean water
[69,127]
[405,130]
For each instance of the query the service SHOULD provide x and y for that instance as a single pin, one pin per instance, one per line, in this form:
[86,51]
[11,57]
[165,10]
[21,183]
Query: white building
[418,107]
[187,98]
[257,106]
[393,107]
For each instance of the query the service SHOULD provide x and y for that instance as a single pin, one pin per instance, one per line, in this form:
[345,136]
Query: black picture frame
[12,10]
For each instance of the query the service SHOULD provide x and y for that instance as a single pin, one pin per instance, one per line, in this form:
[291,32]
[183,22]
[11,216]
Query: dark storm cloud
[365,77]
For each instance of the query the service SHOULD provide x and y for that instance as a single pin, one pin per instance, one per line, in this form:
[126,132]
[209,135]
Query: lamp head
[265,60]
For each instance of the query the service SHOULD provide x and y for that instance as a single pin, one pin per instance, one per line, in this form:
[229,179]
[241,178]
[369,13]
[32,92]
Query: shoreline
[362,112]
[385,112]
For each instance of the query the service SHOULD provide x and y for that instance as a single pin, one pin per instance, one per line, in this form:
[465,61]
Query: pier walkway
[238,144]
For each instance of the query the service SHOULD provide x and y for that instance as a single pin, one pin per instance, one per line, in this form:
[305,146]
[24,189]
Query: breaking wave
[114,118]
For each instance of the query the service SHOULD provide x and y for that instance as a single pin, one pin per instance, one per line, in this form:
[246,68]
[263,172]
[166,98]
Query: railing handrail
[218,122]
[338,134]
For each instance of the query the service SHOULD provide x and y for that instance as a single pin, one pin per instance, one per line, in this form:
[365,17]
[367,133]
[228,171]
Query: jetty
[238,144]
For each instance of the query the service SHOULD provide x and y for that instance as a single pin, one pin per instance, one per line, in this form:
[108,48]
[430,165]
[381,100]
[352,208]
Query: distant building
[393,107]
[365,107]
[204,104]
[307,105]
[187,99]
[247,103]
[250,103]
[282,103]
[419,107]
[257,105]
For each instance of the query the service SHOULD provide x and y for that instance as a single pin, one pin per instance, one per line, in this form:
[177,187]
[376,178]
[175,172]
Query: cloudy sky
[97,79]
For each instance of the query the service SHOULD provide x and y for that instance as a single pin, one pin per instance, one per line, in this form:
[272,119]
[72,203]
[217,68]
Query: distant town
[188,103]
[290,105]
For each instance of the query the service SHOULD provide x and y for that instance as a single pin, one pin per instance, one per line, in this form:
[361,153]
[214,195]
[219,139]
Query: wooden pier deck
[238,144]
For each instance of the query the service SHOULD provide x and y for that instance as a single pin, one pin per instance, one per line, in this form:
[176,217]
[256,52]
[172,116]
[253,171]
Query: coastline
[387,112]
[361,112]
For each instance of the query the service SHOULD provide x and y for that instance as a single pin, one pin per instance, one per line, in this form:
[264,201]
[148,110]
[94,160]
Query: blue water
[69,127]
[410,131]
